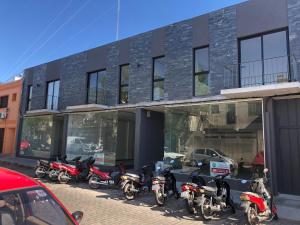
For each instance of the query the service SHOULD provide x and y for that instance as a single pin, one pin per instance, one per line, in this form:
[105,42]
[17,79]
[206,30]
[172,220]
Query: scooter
[99,177]
[216,199]
[80,171]
[164,185]
[192,192]
[51,169]
[132,184]
[258,204]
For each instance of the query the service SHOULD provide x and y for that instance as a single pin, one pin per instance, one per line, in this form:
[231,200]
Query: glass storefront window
[37,136]
[100,134]
[217,138]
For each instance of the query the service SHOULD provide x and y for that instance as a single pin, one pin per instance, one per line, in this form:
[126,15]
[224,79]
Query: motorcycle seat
[132,175]
[210,189]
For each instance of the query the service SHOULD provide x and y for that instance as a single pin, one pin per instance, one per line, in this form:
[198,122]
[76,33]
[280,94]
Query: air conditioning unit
[3,115]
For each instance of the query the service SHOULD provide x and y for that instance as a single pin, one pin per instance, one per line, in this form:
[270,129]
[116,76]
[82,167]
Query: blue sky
[38,31]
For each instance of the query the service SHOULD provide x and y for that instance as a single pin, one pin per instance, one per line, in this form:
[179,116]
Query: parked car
[80,145]
[24,200]
[206,155]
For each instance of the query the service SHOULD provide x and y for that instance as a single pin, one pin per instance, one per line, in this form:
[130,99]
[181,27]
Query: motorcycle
[99,177]
[132,184]
[79,171]
[258,204]
[216,199]
[164,185]
[192,192]
[51,169]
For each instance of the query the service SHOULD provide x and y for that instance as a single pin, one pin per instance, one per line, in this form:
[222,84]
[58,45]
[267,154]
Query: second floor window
[53,95]
[96,87]
[201,71]
[159,72]
[29,97]
[3,102]
[264,59]
[124,82]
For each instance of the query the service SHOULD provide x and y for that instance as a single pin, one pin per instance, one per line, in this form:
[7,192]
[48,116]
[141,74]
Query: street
[107,206]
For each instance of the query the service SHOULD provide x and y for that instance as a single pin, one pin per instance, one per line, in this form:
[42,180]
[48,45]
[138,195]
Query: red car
[25,201]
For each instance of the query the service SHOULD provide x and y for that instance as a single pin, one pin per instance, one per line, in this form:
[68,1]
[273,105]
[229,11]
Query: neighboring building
[10,96]
[222,89]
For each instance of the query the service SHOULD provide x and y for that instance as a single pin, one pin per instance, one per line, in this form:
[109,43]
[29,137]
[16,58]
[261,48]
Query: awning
[263,90]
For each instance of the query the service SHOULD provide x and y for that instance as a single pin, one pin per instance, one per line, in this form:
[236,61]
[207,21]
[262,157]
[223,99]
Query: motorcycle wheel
[40,172]
[63,177]
[53,175]
[190,206]
[94,182]
[159,197]
[206,211]
[252,217]
[129,195]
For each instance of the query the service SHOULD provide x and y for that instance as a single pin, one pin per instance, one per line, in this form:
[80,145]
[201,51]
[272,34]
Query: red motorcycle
[79,171]
[99,177]
[258,203]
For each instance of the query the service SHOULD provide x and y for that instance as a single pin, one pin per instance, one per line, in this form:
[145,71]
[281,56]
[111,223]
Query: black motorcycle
[132,184]
[216,199]
[164,185]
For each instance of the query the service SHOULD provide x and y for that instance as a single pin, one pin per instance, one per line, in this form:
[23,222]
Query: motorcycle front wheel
[40,172]
[206,211]
[159,197]
[127,191]
[252,217]
[94,182]
[63,177]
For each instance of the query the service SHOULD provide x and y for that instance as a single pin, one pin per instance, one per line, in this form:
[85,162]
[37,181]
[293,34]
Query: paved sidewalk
[107,206]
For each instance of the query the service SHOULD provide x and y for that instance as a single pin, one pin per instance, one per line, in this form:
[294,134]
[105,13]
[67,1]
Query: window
[214,109]
[201,71]
[14,97]
[3,102]
[158,78]
[231,115]
[52,95]
[96,87]
[29,96]
[254,109]
[264,59]
[124,82]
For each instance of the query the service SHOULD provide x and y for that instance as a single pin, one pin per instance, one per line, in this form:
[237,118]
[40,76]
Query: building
[221,89]
[10,96]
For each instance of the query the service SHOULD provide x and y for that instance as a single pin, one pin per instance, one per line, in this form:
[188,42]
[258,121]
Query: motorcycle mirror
[243,181]
[77,216]
[266,170]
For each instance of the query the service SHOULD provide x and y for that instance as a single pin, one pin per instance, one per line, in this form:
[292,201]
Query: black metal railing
[255,73]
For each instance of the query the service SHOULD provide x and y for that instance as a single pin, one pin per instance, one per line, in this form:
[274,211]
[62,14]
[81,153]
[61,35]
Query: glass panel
[101,95]
[37,138]
[237,147]
[201,60]
[124,95]
[124,74]
[55,94]
[50,95]
[201,84]
[275,57]
[158,92]
[251,64]
[32,207]
[159,68]
[93,134]
[92,92]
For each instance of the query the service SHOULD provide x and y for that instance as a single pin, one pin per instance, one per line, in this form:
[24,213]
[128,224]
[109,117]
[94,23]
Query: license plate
[155,187]
[185,194]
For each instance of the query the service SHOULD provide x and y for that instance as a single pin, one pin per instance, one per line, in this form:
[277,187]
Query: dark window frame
[194,67]
[88,84]
[29,97]
[154,80]
[7,99]
[123,85]
[260,35]
[47,89]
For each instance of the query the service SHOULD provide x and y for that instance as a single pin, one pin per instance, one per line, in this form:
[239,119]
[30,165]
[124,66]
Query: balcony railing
[261,72]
